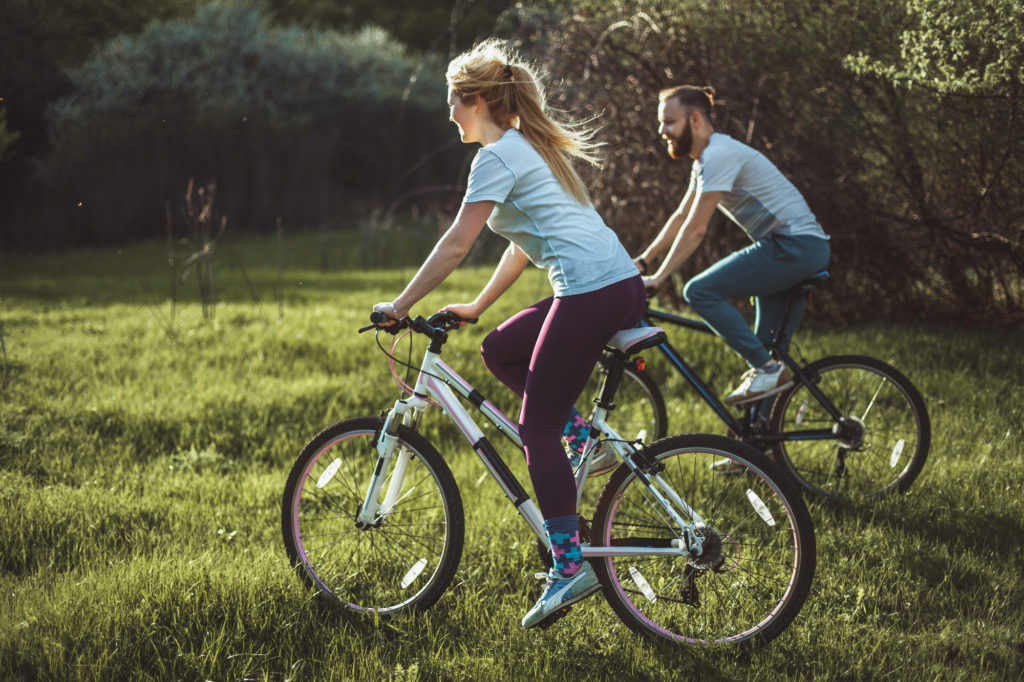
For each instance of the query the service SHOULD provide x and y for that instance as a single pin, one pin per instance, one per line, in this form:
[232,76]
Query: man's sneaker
[758,383]
[602,461]
[559,593]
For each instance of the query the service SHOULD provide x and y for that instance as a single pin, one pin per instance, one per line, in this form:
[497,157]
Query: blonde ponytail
[512,92]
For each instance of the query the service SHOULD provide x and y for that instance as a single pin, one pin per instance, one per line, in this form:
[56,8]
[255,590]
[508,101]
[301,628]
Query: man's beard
[679,147]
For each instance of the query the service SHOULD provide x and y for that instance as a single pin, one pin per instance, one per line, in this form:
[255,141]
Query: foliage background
[900,122]
[910,158]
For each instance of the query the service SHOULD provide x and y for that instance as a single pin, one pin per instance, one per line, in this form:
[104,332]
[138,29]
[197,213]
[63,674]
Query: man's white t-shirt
[758,197]
[533,211]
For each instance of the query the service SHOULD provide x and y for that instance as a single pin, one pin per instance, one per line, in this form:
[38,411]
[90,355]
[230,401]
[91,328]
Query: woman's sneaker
[758,383]
[560,593]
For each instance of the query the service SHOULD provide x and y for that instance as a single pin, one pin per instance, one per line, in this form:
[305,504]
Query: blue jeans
[764,270]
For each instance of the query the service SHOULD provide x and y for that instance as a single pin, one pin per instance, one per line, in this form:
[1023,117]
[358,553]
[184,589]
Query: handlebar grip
[377,320]
[450,320]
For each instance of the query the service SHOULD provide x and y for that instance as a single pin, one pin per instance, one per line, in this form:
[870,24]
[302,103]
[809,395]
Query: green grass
[143,453]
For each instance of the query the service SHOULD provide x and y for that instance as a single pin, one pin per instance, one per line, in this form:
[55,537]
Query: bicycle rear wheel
[879,447]
[758,558]
[404,560]
[639,405]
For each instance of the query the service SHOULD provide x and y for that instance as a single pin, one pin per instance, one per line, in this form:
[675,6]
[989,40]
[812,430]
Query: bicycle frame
[744,428]
[440,383]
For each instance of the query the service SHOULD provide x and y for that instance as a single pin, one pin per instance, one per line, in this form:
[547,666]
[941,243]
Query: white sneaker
[602,461]
[758,383]
[559,593]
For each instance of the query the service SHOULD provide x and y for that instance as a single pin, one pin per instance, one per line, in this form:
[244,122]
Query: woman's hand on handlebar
[467,311]
[389,310]
[385,316]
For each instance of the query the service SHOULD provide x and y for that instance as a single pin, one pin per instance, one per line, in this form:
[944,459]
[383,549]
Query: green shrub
[920,187]
[290,122]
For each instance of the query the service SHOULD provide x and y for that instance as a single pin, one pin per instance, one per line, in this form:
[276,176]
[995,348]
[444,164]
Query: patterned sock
[564,538]
[576,431]
[771,366]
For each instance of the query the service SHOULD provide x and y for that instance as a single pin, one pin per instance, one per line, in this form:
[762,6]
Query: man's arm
[689,237]
[671,228]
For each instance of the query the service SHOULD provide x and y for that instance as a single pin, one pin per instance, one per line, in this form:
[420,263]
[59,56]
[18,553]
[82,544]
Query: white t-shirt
[758,197]
[534,212]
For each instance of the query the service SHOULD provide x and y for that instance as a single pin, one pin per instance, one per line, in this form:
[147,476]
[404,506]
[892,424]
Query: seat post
[610,382]
[803,289]
[778,333]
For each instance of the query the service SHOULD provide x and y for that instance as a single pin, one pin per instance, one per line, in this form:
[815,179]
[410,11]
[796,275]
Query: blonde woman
[523,187]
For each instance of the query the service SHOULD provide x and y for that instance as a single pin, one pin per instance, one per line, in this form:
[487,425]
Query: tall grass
[143,456]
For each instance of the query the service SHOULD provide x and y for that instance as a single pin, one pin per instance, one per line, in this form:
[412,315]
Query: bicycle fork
[372,512]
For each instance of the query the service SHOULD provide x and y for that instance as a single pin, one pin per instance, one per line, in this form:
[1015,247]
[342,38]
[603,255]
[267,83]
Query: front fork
[371,512]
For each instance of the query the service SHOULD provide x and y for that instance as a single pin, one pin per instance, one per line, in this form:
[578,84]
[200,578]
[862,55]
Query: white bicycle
[373,520]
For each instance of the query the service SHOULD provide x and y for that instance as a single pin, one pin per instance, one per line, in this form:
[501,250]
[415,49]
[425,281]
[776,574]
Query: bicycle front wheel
[881,443]
[756,566]
[403,560]
[639,405]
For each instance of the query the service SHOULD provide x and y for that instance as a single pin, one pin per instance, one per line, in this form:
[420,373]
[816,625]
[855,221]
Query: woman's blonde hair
[510,88]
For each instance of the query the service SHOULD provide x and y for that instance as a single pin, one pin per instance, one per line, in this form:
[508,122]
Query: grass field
[144,449]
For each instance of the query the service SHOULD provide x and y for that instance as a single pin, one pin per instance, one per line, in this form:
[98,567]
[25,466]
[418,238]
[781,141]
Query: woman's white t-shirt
[534,212]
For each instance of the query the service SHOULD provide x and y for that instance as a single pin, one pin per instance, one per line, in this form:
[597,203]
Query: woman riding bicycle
[788,243]
[522,185]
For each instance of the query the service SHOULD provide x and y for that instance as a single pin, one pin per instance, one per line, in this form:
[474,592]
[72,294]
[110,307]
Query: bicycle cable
[401,383]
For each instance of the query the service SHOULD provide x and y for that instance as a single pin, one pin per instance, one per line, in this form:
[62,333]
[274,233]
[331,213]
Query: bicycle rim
[886,438]
[402,561]
[759,554]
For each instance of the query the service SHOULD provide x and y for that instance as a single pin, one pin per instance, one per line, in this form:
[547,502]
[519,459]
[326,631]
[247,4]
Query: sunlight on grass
[143,454]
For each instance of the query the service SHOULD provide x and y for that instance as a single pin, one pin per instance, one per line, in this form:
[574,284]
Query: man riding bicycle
[788,245]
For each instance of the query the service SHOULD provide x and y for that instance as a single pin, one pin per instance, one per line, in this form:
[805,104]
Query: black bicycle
[850,426]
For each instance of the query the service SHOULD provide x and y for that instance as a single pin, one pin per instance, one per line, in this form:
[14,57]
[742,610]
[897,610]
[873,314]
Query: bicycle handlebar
[444,321]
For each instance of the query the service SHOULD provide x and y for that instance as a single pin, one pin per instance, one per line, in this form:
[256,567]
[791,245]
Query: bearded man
[788,243]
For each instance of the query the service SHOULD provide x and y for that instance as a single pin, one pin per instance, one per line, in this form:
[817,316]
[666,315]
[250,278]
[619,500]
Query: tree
[429,27]
[290,122]
[38,40]
[920,190]
[956,47]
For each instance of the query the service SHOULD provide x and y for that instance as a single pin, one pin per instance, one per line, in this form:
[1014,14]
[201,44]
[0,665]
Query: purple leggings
[546,354]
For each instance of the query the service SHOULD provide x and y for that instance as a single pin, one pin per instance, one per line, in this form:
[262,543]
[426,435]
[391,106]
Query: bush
[291,123]
[920,188]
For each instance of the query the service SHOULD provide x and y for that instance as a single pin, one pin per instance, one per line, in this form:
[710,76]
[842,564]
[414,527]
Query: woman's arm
[511,265]
[449,251]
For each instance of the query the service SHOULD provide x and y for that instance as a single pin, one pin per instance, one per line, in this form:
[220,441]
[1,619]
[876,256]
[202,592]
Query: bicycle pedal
[553,617]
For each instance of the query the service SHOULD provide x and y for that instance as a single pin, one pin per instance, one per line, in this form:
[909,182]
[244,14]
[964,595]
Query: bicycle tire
[639,405]
[889,432]
[403,562]
[754,575]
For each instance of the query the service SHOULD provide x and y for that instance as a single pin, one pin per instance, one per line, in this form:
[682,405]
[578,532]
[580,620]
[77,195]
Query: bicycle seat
[630,341]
